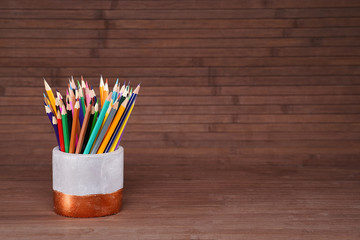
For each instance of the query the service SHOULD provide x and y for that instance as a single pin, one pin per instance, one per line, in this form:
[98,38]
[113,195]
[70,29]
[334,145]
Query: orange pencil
[112,127]
[101,88]
[105,92]
[84,128]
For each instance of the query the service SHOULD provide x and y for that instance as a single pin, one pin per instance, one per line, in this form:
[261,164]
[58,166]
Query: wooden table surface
[189,199]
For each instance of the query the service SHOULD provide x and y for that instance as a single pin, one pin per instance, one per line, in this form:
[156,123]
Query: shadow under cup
[87,185]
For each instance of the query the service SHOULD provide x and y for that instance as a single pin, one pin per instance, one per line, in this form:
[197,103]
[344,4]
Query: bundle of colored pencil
[84,124]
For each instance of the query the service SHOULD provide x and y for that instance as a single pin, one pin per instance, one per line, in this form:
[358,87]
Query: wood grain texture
[191,199]
[212,73]
[246,127]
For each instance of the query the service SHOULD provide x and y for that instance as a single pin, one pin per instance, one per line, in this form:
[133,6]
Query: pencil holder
[87,185]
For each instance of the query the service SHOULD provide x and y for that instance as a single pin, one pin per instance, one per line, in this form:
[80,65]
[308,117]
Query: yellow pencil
[50,95]
[113,126]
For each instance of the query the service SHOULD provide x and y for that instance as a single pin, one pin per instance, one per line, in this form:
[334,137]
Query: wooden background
[246,127]
[247,81]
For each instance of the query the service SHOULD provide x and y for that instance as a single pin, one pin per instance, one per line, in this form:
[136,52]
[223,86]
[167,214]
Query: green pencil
[82,101]
[95,116]
[65,128]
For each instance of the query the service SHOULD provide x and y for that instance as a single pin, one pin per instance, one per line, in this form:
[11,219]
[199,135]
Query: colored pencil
[64,119]
[123,96]
[71,100]
[88,130]
[101,89]
[60,131]
[84,128]
[79,125]
[50,95]
[96,113]
[123,126]
[87,94]
[112,127]
[97,125]
[107,113]
[69,117]
[81,114]
[75,122]
[120,127]
[82,100]
[83,86]
[55,126]
[48,112]
[105,128]
[105,92]
[115,89]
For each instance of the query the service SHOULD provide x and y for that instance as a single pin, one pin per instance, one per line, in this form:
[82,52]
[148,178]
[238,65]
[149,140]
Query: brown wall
[274,82]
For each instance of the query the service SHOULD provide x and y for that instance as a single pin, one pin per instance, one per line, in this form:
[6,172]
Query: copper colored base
[95,205]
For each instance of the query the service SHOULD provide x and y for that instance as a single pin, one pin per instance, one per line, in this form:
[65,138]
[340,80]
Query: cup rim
[117,151]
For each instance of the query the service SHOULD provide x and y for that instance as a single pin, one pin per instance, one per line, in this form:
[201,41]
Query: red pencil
[61,134]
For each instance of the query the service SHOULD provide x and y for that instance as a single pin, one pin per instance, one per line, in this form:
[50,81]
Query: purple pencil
[56,130]
[48,112]
[81,115]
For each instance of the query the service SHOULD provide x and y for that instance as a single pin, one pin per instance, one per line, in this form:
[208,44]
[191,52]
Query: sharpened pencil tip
[101,81]
[109,97]
[125,102]
[136,91]
[77,105]
[47,87]
[54,120]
